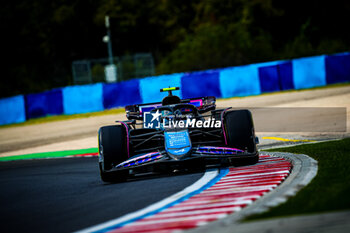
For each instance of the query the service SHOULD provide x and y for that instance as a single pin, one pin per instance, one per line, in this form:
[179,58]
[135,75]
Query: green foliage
[213,46]
[329,190]
[42,38]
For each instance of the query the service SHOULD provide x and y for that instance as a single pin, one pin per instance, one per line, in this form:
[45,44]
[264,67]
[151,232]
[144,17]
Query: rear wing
[203,104]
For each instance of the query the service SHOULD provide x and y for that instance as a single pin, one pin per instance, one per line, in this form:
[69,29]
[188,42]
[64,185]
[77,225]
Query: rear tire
[240,134]
[112,151]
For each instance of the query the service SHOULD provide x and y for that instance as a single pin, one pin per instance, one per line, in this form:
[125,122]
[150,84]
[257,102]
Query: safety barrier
[121,94]
[246,80]
[207,83]
[276,77]
[150,87]
[240,81]
[338,68]
[82,99]
[309,72]
[12,110]
[42,104]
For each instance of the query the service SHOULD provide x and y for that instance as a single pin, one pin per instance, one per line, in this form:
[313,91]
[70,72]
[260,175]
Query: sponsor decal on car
[156,121]
[151,120]
[180,151]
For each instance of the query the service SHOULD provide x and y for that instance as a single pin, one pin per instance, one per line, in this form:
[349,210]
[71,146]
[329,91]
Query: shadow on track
[65,195]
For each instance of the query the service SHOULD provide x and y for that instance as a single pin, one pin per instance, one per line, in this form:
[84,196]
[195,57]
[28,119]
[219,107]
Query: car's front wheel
[112,151]
[239,129]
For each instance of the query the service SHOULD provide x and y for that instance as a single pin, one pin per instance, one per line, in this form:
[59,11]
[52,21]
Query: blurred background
[45,44]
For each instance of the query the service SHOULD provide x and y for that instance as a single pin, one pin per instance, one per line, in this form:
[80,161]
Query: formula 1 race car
[176,134]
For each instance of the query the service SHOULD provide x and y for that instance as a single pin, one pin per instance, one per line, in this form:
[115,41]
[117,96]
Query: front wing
[204,154]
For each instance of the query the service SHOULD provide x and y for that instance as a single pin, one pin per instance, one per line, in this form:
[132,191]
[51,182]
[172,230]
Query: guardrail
[246,80]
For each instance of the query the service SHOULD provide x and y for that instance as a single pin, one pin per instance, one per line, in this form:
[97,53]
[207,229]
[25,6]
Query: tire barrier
[228,82]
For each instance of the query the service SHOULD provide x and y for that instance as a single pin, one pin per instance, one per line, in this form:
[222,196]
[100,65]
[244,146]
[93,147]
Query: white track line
[207,205]
[192,213]
[176,219]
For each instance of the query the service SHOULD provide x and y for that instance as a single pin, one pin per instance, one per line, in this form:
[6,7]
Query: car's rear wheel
[112,151]
[239,129]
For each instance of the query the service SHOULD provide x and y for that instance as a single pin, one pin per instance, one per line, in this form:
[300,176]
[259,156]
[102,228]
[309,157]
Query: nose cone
[177,143]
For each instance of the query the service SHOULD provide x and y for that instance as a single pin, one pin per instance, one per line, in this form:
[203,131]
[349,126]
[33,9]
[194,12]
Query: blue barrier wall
[149,87]
[43,104]
[228,82]
[121,94]
[82,99]
[198,84]
[240,81]
[309,72]
[338,68]
[285,71]
[12,110]
[276,77]
[269,79]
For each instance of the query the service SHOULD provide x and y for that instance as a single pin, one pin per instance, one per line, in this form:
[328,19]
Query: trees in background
[40,39]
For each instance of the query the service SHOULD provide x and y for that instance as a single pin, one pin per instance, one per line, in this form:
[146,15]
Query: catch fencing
[127,67]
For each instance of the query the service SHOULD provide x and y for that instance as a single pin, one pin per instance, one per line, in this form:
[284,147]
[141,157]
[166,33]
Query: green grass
[329,190]
[53,154]
[65,117]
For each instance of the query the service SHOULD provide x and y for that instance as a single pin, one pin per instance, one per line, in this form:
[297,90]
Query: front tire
[112,151]
[239,128]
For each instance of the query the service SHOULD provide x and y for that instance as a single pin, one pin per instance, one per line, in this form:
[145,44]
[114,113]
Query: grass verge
[54,154]
[328,191]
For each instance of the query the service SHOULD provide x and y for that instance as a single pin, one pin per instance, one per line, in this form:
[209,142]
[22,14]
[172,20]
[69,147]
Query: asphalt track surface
[65,195]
